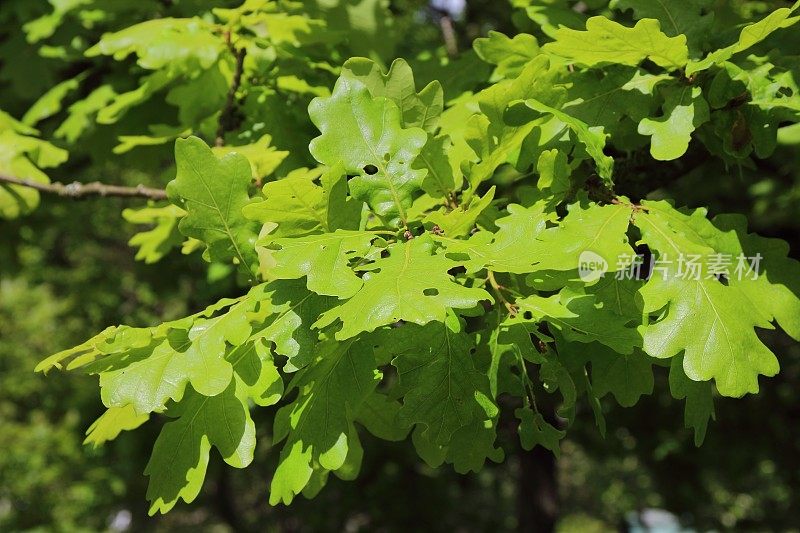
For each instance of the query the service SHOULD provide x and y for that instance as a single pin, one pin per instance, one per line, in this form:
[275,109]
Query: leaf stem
[531,395]
[511,308]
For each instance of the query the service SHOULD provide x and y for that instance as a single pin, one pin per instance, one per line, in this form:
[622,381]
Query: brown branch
[226,117]
[81,190]
[449,35]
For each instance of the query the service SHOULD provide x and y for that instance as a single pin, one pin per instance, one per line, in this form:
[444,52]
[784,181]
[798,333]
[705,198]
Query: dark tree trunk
[537,494]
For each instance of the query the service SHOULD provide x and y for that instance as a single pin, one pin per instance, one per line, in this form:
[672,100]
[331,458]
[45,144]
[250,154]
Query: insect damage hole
[370,169]
[431,292]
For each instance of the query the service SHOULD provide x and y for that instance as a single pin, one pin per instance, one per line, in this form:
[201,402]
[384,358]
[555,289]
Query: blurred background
[66,272]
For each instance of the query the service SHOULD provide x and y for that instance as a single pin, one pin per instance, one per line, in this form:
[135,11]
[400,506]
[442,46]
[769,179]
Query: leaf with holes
[366,135]
[411,284]
[713,323]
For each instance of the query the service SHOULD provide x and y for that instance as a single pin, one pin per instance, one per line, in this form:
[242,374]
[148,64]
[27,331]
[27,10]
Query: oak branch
[82,190]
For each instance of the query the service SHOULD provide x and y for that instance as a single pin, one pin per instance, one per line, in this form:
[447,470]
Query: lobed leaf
[366,135]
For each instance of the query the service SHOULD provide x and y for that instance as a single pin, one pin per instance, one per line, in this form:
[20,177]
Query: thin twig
[226,116]
[81,190]
[511,308]
[530,393]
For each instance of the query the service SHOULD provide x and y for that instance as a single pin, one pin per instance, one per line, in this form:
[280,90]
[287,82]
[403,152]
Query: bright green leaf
[605,41]
[411,284]
[365,134]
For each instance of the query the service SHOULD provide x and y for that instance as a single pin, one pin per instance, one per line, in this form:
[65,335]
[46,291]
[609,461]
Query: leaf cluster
[422,274]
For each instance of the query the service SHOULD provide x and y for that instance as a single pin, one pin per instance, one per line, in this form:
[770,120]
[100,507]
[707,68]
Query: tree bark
[537,491]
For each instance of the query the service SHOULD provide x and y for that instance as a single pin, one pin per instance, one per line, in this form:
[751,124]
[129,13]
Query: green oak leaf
[90,349]
[46,25]
[772,287]
[495,141]
[112,422]
[22,155]
[776,287]
[768,88]
[147,377]
[684,110]
[461,220]
[200,98]
[750,35]
[300,207]
[365,134]
[467,451]
[626,376]
[180,44]
[254,365]
[80,115]
[442,178]
[594,404]
[615,98]
[699,396]
[180,455]
[440,386]
[733,135]
[380,415]
[433,454]
[593,138]
[529,344]
[507,347]
[417,109]
[119,104]
[535,430]
[552,16]
[501,251]
[554,174]
[574,357]
[644,82]
[711,322]
[614,293]
[411,284]
[324,259]
[285,319]
[472,444]
[318,425]
[51,102]
[605,41]
[588,229]
[270,20]
[159,134]
[146,367]
[263,157]
[213,192]
[580,319]
[691,18]
[155,243]
[556,377]
[508,54]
